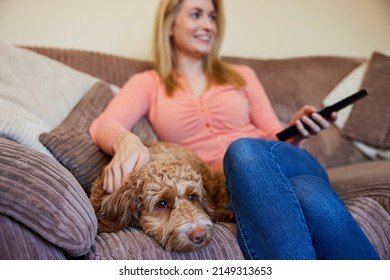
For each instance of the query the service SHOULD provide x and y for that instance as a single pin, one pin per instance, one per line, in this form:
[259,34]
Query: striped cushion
[133,244]
[17,242]
[71,143]
[374,221]
[42,195]
[113,69]
[36,94]
[369,121]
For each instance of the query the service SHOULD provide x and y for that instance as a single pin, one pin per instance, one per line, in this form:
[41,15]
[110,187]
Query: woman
[280,194]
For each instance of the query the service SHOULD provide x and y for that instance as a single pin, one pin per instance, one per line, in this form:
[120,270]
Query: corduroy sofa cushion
[368,178]
[374,221]
[41,194]
[290,84]
[295,82]
[369,121]
[112,69]
[133,244]
[17,242]
[71,143]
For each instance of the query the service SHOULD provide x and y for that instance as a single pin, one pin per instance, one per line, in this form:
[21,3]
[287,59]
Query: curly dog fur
[169,198]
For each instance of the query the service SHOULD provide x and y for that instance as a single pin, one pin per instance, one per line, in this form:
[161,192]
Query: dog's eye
[192,197]
[162,204]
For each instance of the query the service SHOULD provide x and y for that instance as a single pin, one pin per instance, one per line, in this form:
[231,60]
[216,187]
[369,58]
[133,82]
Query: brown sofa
[44,209]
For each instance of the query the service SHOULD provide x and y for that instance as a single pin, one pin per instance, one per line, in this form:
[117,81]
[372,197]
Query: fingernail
[316,116]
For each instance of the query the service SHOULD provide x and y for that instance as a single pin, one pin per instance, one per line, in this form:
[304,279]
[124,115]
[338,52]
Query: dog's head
[167,201]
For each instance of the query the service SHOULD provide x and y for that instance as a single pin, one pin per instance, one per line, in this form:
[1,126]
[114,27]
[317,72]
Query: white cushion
[36,94]
[349,85]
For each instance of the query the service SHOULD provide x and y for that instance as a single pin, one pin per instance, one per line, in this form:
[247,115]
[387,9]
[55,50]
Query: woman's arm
[264,117]
[111,130]
[262,114]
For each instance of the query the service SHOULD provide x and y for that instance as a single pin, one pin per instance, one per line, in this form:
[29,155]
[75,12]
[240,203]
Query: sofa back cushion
[294,82]
[290,84]
[113,69]
[72,145]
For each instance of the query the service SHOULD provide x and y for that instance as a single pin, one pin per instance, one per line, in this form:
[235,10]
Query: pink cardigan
[205,124]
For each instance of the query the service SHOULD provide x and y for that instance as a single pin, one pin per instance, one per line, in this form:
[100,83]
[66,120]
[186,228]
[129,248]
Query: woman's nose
[207,23]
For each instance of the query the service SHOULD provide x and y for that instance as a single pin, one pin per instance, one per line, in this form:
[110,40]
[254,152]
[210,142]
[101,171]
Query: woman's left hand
[309,122]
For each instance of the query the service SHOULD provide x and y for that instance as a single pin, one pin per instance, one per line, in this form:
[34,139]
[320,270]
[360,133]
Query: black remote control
[325,112]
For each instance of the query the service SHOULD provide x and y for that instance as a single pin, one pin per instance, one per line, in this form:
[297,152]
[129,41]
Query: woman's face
[195,28]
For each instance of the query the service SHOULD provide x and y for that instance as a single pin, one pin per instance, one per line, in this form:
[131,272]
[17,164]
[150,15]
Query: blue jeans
[285,207]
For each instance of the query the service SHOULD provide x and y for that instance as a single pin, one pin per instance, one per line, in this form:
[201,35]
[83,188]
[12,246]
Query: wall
[255,28]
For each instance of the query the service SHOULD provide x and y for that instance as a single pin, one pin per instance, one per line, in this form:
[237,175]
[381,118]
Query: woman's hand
[314,122]
[129,154]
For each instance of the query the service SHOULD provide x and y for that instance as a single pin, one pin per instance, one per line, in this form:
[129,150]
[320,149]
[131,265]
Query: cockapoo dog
[168,198]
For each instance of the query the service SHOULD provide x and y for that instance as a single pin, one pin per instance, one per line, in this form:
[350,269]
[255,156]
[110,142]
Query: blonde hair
[215,70]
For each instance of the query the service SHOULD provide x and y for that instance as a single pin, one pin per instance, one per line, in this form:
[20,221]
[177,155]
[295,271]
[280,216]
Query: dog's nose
[198,235]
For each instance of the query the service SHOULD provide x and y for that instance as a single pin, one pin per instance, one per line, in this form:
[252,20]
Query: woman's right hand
[129,154]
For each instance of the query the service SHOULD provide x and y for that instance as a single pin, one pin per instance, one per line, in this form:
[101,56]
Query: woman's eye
[212,17]
[162,204]
[195,15]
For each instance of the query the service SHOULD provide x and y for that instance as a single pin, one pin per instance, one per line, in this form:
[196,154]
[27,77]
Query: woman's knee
[244,150]
[316,197]
[239,145]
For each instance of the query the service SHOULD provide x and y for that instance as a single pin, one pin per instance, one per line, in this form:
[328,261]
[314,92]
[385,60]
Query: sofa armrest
[17,242]
[374,221]
[363,179]
[42,195]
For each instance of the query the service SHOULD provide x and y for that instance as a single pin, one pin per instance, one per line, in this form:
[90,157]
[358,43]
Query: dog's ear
[121,209]
[215,200]
[204,202]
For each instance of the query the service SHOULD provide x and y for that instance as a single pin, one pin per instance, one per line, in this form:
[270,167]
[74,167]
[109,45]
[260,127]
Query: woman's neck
[192,70]
[189,66]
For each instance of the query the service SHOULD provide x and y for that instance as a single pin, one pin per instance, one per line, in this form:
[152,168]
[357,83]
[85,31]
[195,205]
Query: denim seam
[242,232]
[241,229]
[302,217]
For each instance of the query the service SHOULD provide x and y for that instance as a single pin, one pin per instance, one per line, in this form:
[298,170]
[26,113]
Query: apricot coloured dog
[175,199]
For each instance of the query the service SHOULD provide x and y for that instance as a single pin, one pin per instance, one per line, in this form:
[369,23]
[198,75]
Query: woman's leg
[335,234]
[268,182]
